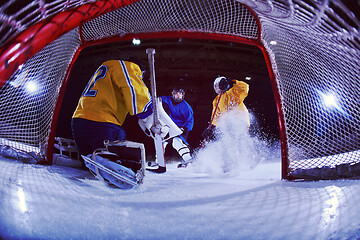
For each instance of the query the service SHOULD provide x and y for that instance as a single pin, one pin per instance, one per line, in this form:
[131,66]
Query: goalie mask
[178,94]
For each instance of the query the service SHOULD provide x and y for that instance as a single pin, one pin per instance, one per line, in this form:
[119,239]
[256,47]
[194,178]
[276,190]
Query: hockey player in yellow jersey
[115,90]
[231,94]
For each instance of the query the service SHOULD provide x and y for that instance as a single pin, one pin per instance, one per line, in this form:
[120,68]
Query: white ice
[233,191]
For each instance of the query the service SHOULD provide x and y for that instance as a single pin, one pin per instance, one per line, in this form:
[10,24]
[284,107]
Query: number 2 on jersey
[99,74]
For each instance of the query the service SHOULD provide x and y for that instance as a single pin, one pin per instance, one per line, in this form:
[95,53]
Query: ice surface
[233,192]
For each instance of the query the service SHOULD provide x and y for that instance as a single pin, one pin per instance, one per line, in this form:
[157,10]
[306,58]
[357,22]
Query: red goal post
[296,39]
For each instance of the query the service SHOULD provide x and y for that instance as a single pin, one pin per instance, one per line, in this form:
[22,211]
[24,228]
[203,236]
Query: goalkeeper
[115,89]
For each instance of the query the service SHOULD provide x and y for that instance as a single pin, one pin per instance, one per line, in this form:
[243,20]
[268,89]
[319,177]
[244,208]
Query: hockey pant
[181,147]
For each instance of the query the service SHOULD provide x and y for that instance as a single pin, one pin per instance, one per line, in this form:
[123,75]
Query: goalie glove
[146,124]
[148,127]
[166,127]
[160,129]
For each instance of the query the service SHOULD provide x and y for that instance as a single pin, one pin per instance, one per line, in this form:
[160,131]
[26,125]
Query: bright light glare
[136,41]
[331,207]
[31,87]
[248,78]
[273,42]
[21,198]
[329,100]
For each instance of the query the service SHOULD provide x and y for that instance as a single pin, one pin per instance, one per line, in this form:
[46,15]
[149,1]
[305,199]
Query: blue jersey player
[182,115]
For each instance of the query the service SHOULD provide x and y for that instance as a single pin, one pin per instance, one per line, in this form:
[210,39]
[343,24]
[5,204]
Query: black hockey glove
[209,132]
[185,130]
[225,84]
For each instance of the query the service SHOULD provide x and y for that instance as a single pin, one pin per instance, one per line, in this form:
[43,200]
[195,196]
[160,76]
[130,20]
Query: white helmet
[216,84]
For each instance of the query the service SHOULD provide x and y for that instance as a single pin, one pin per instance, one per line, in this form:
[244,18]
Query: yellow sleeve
[240,90]
[218,107]
[231,99]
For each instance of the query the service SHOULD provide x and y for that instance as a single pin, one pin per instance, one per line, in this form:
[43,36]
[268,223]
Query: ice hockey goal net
[312,49]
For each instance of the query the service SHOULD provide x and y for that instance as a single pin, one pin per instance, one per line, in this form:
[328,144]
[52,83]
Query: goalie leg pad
[181,148]
[111,172]
[120,163]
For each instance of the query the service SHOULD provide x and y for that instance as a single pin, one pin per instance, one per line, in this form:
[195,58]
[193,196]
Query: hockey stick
[151,52]
[212,118]
[158,141]
[184,165]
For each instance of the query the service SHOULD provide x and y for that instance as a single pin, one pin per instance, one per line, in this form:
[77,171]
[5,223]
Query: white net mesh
[227,17]
[316,54]
[17,15]
[28,99]
[314,49]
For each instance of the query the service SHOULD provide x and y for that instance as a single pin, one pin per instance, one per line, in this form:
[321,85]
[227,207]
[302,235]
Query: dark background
[192,65]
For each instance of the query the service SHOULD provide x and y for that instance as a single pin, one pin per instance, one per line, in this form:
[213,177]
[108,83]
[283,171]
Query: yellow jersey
[115,89]
[232,99]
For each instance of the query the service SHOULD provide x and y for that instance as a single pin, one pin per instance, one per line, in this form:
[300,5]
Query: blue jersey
[181,113]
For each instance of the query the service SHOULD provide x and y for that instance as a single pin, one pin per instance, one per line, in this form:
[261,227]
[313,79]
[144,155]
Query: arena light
[136,41]
[273,42]
[330,101]
[32,87]
[248,78]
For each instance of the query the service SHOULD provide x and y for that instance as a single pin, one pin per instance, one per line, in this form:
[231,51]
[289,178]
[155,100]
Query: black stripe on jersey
[132,89]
